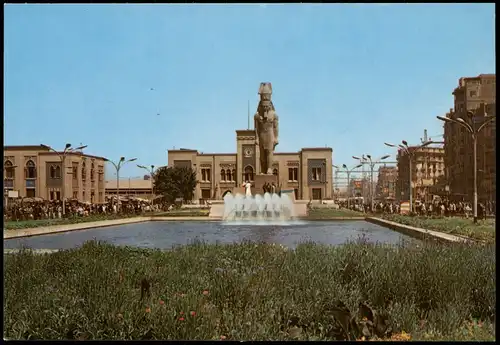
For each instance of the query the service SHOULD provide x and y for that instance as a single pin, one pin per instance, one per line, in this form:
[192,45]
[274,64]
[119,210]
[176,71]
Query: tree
[175,182]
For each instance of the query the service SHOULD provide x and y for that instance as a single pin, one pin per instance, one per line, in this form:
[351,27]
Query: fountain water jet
[270,207]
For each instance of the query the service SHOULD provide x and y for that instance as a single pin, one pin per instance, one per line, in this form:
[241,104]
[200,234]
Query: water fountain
[267,207]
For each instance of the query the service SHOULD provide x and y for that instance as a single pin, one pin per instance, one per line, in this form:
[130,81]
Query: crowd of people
[35,209]
[444,208]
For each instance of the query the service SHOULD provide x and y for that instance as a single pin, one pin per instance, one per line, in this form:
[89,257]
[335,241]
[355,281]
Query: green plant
[249,291]
[484,230]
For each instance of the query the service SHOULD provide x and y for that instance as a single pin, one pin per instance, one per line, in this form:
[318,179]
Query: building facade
[478,95]
[307,172]
[131,187]
[35,171]
[428,170]
[385,189]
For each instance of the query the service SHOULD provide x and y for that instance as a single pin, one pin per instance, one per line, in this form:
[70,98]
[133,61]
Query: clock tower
[246,156]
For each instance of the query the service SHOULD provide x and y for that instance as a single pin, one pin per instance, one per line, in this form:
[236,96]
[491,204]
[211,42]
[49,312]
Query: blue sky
[345,76]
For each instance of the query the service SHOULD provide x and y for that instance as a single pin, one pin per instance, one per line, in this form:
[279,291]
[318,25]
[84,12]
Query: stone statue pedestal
[260,181]
[239,190]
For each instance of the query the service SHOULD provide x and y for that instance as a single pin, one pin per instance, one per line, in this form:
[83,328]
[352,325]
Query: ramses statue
[266,128]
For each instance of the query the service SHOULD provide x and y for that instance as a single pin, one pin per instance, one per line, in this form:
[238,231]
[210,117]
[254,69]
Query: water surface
[164,235]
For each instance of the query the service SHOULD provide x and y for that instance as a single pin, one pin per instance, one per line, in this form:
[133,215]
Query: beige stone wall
[326,188]
[283,161]
[20,155]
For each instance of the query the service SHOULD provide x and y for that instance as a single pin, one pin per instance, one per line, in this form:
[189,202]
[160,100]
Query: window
[316,193]
[229,175]
[30,169]
[473,93]
[84,171]
[275,172]
[293,174]
[75,194]
[205,193]
[205,175]
[30,192]
[101,172]
[92,172]
[296,192]
[223,175]
[55,171]
[9,170]
[248,173]
[316,174]
[74,171]
[233,176]
[58,195]
[51,195]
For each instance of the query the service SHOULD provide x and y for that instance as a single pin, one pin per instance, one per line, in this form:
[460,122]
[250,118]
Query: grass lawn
[28,224]
[327,213]
[184,213]
[252,292]
[484,230]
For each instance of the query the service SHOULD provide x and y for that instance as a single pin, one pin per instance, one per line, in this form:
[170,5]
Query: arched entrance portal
[224,194]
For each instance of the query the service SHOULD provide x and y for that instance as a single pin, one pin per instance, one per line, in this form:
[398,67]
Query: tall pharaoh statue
[266,128]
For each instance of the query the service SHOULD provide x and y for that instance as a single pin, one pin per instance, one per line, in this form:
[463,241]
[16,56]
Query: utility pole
[248,114]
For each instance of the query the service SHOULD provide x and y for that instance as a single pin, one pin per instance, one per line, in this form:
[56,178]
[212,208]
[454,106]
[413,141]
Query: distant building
[385,189]
[36,171]
[427,170]
[307,172]
[476,94]
[131,187]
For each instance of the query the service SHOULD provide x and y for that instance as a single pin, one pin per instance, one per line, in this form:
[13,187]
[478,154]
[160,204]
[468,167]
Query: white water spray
[272,207]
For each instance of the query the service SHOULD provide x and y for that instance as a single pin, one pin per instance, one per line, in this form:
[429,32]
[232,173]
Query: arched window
[92,171]
[248,175]
[223,175]
[9,170]
[275,172]
[58,172]
[52,171]
[30,169]
[84,171]
[234,175]
[228,174]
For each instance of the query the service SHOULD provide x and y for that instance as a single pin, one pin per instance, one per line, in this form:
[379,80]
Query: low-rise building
[37,171]
[130,187]
[307,172]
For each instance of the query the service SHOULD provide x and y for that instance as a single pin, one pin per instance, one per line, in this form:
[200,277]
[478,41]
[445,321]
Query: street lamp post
[348,172]
[118,166]
[372,166]
[62,157]
[404,146]
[471,128]
[151,172]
